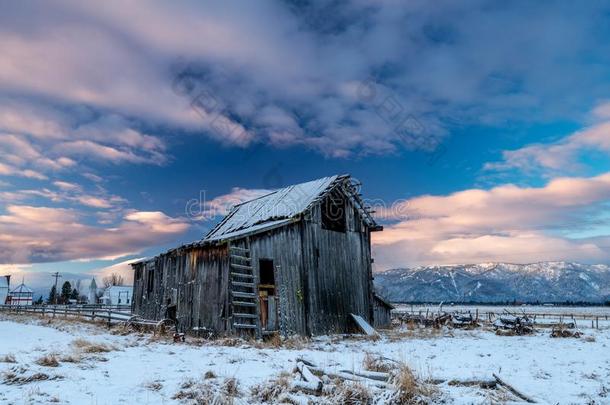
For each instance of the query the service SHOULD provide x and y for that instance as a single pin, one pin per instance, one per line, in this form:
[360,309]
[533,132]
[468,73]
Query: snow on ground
[139,369]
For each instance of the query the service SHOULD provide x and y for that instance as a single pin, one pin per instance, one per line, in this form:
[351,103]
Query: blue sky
[482,127]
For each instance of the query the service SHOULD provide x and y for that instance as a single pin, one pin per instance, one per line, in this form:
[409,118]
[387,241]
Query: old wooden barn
[295,261]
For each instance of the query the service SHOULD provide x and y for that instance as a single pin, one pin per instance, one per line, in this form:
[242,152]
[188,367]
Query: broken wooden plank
[372,375]
[483,383]
[347,376]
[308,375]
[513,390]
[364,325]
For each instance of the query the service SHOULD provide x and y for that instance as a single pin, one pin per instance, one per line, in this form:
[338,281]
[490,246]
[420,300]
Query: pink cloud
[561,156]
[39,234]
[505,223]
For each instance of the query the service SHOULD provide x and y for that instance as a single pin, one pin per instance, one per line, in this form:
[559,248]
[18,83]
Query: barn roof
[279,208]
[3,282]
[276,209]
[383,300]
[22,288]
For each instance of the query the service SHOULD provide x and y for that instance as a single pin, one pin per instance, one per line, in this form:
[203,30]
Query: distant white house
[21,295]
[117,295]
[4,284]
[92,296]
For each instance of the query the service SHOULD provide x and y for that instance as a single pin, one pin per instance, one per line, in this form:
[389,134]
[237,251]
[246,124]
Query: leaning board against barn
[295,261]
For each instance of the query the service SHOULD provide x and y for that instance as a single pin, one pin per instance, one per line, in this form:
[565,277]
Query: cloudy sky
[481,130]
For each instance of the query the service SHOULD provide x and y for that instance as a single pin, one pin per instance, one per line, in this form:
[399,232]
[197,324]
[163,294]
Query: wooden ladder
[244,294]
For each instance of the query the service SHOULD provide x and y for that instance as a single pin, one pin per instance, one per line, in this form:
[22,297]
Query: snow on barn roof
[274,209]
[22,288]
[278,208]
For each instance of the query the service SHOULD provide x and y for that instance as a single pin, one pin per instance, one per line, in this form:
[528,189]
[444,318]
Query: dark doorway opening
[267,276]
[267,297]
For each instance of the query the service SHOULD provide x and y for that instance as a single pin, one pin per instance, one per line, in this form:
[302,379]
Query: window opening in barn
[266,293]
[170,312]
[333,214]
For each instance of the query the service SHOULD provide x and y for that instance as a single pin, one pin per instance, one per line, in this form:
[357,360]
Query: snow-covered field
[601,311]
[134,368]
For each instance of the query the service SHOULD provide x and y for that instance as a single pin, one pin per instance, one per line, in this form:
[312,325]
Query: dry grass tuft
[410,390]
[589,338]
[276,341]
[16,376]
[372,363]
[296,342]
[153,385]
[208,375]
[351,393]
[71,358]
[230,387]
[207,392]
[49,360]
[271,390]
[86,346]
[8,358]
[416,333]
[229,342]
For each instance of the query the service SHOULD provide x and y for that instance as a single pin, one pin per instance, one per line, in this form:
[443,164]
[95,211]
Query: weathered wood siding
[194,279]
[339,273]
[381,314]
[284,247]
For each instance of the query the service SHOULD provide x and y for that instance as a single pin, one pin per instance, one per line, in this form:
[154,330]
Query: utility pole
[56,275]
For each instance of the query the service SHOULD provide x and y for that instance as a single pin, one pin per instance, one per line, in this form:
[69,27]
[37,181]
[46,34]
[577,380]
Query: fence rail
[490,316]
[108,313]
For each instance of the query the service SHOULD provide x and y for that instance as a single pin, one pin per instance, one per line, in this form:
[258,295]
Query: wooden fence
[490,316]
[110,314]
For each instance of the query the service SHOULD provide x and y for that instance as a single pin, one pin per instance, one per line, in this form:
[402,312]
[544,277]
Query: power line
[56,275]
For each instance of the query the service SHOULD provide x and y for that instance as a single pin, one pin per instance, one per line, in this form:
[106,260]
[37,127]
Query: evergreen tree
[52,296]
[74,294]
[39,301]
[66,290]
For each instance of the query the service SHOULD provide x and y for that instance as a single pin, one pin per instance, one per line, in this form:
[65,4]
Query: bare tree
[113,279]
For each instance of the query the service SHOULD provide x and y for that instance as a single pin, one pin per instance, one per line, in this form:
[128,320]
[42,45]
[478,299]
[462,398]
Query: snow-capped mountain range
[498,282]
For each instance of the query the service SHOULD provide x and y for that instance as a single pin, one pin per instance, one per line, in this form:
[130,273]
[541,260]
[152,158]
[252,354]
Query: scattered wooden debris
[313,382]
[463,321]
[513,325]
[456,320]
[563,331]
